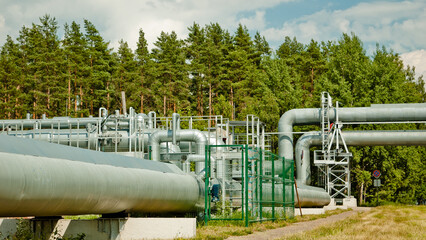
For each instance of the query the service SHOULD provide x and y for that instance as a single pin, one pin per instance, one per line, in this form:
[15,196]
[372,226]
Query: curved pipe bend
[189,135]
[375,113]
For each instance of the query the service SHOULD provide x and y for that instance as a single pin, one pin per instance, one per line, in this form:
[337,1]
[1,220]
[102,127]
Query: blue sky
[396,24]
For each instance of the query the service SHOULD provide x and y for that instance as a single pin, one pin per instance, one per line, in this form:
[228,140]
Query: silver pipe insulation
[188,135]
[152,119]
[375,113]
[309,196]
[43,179]
[353,138]
[103,112]
[64,122]
[83,139]
[197,158]
[176,125]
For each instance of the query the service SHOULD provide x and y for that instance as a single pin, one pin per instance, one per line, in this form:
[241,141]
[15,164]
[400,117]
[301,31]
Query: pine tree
[126,75]
[195,48]
[144,66]
[170,68]
[44,70]
[261,48]
[76,54]
[241,69]
[217,47]
[13,94]
[94,93]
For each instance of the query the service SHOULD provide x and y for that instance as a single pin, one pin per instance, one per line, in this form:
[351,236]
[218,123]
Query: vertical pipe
[206,187]
[123,102]
[246,185]
[223,183]
[273,188]
[260,173]
[176,120]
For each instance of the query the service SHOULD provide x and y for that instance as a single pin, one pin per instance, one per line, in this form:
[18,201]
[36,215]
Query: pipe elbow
[200,138]
[287,119]
[155,138]
[302,158]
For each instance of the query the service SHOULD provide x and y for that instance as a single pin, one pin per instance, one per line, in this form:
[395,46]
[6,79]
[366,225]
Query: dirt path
[299,227]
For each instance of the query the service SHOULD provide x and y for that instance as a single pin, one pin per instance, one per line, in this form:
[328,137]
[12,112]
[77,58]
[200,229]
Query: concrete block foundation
[108,229]
[309,211]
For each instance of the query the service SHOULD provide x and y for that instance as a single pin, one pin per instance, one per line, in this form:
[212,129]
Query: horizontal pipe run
[43,179]
[309,196]
[40,186]
[353,138]
[389,112]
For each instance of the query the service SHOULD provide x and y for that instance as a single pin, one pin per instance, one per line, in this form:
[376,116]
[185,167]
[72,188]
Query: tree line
[213,72]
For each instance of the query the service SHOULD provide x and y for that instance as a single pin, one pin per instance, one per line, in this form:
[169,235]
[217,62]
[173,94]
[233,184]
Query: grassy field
[385,222]
[224,229]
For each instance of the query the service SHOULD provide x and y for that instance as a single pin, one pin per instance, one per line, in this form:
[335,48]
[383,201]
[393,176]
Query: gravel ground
[299,227]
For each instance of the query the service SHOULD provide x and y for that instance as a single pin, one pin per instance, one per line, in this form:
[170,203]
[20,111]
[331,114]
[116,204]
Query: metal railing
[251,191]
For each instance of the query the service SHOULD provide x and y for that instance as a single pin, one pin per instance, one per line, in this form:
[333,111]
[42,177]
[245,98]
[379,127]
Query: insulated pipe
[309,196]
[197,158]
[141,120]
[353,138]
[152,119]
[123,102]
[103,112]
[44,179]
[375,113]
[63,123]
[175,127]
[190,135]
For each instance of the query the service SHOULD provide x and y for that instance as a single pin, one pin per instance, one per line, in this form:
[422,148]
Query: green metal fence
[255,185]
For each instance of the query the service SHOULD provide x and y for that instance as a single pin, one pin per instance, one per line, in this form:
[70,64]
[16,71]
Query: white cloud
[122,19]
[418,60]
[398,25]
[2,21]
[255,22]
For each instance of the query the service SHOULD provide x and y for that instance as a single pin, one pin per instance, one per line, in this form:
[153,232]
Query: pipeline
[44,179]
[353,138]
[152,119]
[176,126]
[375,113]
[309,196]
[189,135]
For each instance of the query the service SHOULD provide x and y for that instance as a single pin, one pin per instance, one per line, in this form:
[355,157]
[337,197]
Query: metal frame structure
[333,158]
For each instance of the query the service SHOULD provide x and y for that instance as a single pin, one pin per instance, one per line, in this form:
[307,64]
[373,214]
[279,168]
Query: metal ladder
[326,104]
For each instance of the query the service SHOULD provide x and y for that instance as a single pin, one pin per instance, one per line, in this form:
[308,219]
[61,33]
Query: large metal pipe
[375,113]
[353,138]
[189,135]
[43,179]
[309,196]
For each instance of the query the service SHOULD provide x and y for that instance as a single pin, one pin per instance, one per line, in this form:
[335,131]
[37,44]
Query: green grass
[82,217]
[223,229]
[384,222]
